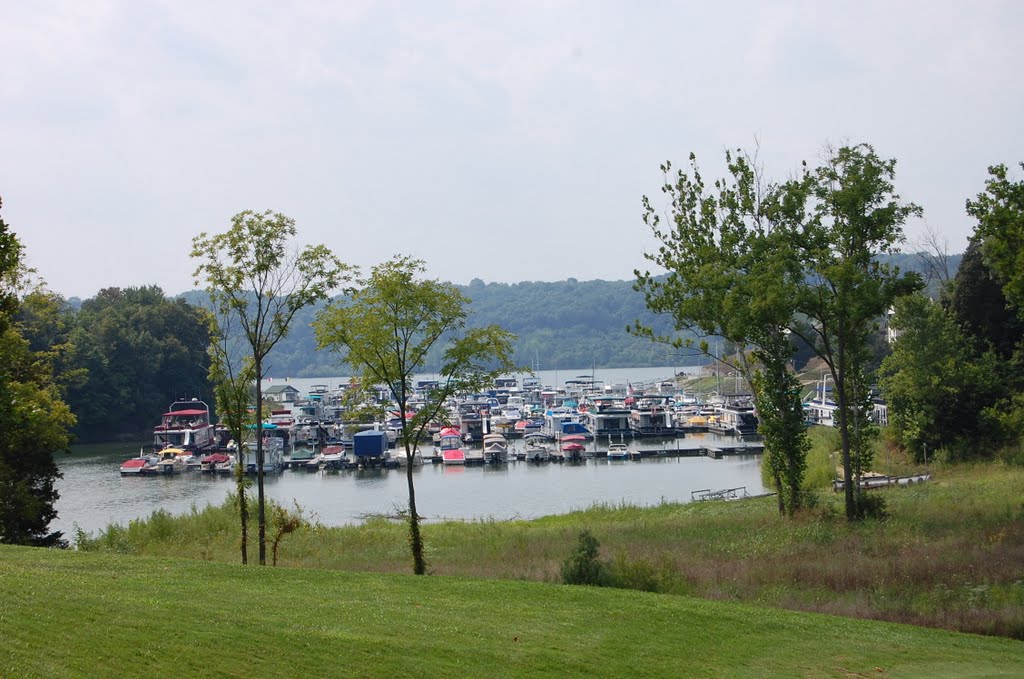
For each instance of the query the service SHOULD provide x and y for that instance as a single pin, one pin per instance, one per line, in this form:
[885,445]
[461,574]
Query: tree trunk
[419,564]
[243,508]
[261,500]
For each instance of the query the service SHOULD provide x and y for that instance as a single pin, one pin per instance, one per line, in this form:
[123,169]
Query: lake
[94,494]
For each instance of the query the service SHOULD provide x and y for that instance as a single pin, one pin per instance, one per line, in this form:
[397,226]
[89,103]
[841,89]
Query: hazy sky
[505,141]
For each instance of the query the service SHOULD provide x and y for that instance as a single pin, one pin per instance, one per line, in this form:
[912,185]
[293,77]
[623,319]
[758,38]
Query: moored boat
[186,425]
[451,447]
[137,466]
[495,449]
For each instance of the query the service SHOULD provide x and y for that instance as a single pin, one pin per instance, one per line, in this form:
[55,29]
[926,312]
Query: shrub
[583,567]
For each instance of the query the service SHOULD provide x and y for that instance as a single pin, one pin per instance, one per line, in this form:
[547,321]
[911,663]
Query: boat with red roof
[186,425]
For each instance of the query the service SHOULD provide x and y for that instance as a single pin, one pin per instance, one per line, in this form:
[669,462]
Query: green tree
[975,299]
[138,351]
[999,210]
[233,374]
[387,327]
[34,420]
[852,215]
[731,274]
[254,273]
[937,389]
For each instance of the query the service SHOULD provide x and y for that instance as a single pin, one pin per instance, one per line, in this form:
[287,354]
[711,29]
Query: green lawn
[74,614]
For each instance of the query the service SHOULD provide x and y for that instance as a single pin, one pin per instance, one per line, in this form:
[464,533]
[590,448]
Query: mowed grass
[75,614]
[950,555]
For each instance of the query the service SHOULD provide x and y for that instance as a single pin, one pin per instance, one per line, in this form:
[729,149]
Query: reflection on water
[94,494]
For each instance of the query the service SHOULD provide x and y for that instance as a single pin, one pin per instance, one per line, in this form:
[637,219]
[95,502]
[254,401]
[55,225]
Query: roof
[280,389]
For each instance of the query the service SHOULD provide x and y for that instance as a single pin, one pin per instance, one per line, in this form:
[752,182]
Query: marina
[520,450]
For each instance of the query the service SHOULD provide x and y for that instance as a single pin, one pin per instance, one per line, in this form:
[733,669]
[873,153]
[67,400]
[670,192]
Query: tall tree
[387,327]
[34,420]
[232,374]
[853,214]
[255,273]
[730,273]
[999,210]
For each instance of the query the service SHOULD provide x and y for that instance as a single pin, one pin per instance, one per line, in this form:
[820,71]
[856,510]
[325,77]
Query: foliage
[583,567]
[977,303]
[254,276]
[936,388]
[730,274]
[389,324]
[233,375]
[34,420]
[852,214]
[999,210]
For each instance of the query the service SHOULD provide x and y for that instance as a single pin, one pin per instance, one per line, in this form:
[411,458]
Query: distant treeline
[562,325]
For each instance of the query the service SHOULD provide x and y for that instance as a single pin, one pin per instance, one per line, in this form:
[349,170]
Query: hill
[561,325]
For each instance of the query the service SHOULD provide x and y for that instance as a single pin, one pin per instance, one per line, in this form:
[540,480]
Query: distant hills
[562,325]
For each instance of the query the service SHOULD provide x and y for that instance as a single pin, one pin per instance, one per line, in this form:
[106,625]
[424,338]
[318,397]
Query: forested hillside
[561,325]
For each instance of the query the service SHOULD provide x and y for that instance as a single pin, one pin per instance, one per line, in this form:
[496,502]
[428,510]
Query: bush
[871,506]
[637,574]
[583,567]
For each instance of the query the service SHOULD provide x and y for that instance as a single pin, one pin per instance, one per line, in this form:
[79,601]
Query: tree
[731,275]
[34,420]
[852,215]
[389,324]
[999,210]
[253,273]
[977,303]
[139,351]
[936,387]
[232,374]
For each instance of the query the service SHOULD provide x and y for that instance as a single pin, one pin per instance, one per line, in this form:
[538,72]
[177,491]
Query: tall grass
[950,555]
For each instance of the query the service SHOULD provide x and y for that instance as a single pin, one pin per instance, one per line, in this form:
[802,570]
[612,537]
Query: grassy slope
[76,614]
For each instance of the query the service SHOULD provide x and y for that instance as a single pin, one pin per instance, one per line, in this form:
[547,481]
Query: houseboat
[186,425]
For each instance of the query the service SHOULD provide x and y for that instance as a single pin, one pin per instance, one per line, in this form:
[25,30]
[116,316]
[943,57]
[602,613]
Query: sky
[505,141]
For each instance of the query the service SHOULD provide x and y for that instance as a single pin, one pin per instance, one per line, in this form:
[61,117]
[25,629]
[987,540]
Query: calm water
[94,494]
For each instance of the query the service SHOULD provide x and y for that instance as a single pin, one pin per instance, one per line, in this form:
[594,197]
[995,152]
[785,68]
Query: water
[94,495]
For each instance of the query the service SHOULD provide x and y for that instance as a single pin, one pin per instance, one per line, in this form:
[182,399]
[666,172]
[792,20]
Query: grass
[950,555]
[76,614]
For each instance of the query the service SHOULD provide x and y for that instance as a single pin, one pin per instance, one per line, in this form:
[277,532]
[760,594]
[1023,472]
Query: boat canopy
[178,413]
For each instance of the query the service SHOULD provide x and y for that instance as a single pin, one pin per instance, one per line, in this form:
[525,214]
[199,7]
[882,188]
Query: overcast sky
[504,141]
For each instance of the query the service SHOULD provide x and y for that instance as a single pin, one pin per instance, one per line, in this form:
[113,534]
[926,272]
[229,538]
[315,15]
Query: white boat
[495,449]
[186,425]
[618,451]
[172,461]
[400,458]
[536,448]
[137,466]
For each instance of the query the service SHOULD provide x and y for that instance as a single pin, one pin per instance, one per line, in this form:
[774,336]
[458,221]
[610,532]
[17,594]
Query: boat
[733,419]
[573,451]
[333,457]
[172,461]
[451,446]
[535,448]
[652,415]
[145,463]
[186,425]
[495,449]
[618,451]
[208,463]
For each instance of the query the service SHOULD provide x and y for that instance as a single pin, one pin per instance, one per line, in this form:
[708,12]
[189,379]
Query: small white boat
[137,466]
[618,451]
[536,448]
